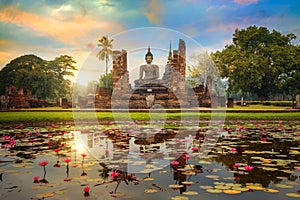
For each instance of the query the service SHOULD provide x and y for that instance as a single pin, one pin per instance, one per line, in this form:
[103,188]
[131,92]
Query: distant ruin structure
[16,97]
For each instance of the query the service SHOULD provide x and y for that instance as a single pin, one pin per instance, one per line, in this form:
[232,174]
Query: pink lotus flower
[248,167]
[12,142]
[83,155]
[36,179]
[43,163]
[67,160]
[174,162]
[6,137]
[86,189]
[114,174]
[186,156]
[264,139]
[56,150]
[232,149]
[194,149]
[237,165]
[298,169]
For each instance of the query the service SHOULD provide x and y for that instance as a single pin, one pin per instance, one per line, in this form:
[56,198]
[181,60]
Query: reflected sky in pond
[244,161]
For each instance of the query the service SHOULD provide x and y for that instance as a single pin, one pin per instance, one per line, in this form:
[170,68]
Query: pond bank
[33,117]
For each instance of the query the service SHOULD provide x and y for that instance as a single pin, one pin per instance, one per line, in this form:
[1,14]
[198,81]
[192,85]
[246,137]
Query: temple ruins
[149,91]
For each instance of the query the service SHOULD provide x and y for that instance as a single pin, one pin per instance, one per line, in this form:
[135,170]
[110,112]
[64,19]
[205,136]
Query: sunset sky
[49,28]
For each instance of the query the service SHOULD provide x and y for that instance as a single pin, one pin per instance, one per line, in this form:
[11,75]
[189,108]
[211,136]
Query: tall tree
[45,79]
[255,60]
[106,50]
[289,80]
[61,68]
[202,69]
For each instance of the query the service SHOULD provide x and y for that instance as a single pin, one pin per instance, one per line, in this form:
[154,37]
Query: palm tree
[106,45]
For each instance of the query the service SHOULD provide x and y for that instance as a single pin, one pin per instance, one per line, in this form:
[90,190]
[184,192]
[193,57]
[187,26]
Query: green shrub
[283,103]
[266,103]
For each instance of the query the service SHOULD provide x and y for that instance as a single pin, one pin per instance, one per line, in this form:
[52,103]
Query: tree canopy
[202,69]
[106,50]
[106,79]
[45,79]
[259,62]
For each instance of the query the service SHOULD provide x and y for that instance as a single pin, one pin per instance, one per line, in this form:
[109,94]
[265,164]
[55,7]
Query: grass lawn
[259,106]
[51,116]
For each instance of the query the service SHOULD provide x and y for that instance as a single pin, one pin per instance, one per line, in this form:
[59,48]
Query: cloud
[67,31]
[223,27]
[190,30]
[4,57]
[245,1]
[8,51]
[153,12]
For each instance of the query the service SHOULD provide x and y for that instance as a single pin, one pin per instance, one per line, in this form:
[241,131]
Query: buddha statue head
[149,56]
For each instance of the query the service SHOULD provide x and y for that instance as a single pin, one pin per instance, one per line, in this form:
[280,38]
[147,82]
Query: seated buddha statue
[148,72]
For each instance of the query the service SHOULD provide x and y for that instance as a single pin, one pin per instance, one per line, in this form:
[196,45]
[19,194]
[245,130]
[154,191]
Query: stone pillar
[181,58]
[298,101]
[120,69]
[230,103]
[176,84]
[121,87]
[64,102]
[120,73]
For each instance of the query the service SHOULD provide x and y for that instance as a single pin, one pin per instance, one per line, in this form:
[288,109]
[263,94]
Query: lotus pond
[253,160]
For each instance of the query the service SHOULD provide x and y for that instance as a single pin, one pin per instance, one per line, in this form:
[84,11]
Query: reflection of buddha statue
[148,72]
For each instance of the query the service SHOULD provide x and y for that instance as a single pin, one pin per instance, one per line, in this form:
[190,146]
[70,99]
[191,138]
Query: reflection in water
[266,154]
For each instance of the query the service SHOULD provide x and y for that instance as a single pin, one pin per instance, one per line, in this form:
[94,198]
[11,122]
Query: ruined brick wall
[181,58]
[121,87]
[120,73]
[176,83]
[18,97]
